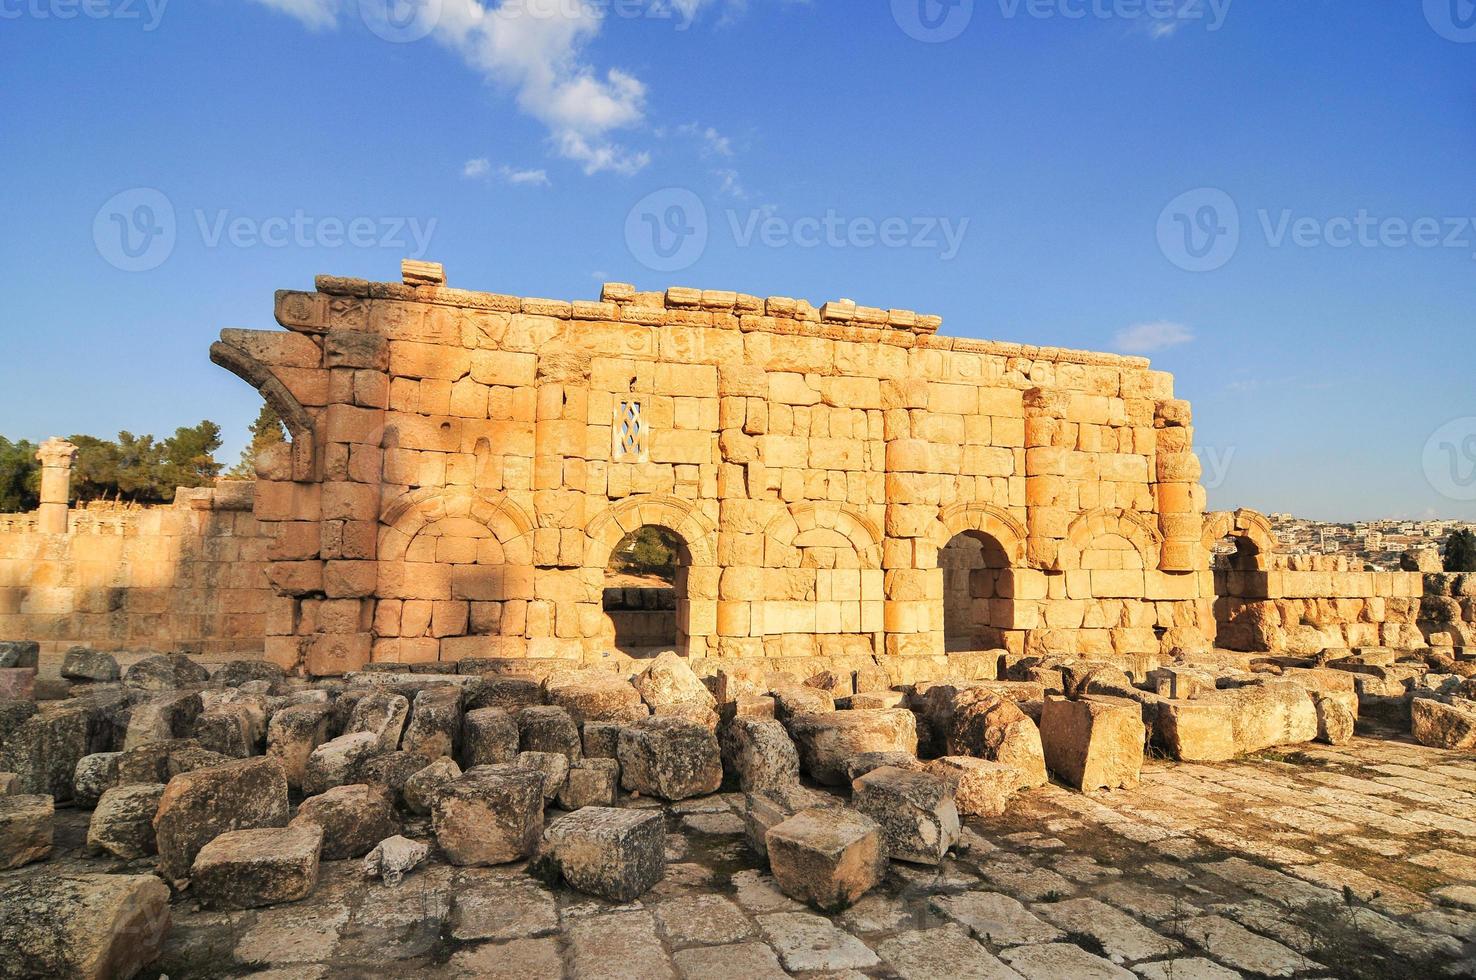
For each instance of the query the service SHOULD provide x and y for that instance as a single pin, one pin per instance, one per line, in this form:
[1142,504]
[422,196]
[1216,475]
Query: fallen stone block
[488,736]
[1179,683]
[227,730]
[798,699]
[617,855]
[827,857]
[747,706]
[245,869]
[1441,725]
[165,672]
[43,749]
[491,815]
[767,808]
[1095,743]
[25,830]
[123,822]
[915,810]
[511,694]
[201,805]
[337,761]
[758,753]
[980,787]
[395,857]
[162,718]
[549,729]
[95,775]
[235,673]
[1335,722]
[19,654]
[591,782]
[859,765]
[18,683]
[874,699]
[826,741]
[391,771]
[159,762]
[435,723]
[999,730]
[419,792]
[668,681]
[381,714]
[595,695]
[601,739]
[353,818]
[695,713]
[1270,713]
[1197,731]
[87,927]
[89,666]
[670,758]
[553,765]
[292,735]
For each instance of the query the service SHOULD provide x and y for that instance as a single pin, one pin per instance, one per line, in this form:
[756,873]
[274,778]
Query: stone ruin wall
[187,577]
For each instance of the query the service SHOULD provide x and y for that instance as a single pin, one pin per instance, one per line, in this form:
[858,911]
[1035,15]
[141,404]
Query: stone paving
[1356,861]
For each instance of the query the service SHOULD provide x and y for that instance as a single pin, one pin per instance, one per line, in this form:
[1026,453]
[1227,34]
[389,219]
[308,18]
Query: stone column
[1046,503]
[56,457]
[1180,498]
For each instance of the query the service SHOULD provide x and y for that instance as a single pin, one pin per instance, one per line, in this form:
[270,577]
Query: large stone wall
[188,577]
[463,464]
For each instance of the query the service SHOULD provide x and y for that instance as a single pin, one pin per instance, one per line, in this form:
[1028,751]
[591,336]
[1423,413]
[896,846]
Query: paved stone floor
[1357,861]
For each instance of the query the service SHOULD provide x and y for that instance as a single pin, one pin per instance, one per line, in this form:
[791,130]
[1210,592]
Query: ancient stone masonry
[843,480]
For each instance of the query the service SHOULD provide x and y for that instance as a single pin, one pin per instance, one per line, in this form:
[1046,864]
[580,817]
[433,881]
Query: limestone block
[670,680]
[995,729]
[827,858]
[1445,726]
[292,735]
[614,854]
[166,672]
[381,714]
[670,758]
[25,830]
[488,736]
[549,728]
[19,653]
[915,810]
[337,761]
[758,753]
[89,666]
[798,699]
[353,818]
[123,822]
[393,858]
[601,739]
[553,766]
[1335,722]
[95,775]
[243,869]
[91,927]
[491,815]
[859,765]
[770,807]
[980,787]
[1095,743]
[435,723]
[420,787]
[593,695]
[827,741]
[1196,731]
[199,806]
[591,782]
[1270,713]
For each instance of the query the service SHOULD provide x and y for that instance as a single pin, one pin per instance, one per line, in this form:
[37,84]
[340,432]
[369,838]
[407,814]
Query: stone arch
[863,534]
[413,512]
[1252,532]
[996,522]
[1091,526]
[293,415]
[681,517]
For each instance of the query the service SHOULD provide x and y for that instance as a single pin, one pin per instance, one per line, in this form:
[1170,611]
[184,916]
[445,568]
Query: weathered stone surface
[9,783]
[243,869]
[123,823]
[1053,960]
[1121,936]
[337,761]
[622,944]
[996,729]
[1444,726]
[19,653]
[614,854]
[435,723]
[89,666]
[510,693]
[751,961]
[226,729]
[670,680]
[293,734]
[1196,731]
[91,927]
[554,766]
[235,673]
[980,788]
[768,808]
[490,904]
[383,715]
[758,753]
[1270,713]
[915,811]
[859,765]
[601,739]
[996,919]
[549,729]
[705,920]
[165,672]
[669,758]
[488,736]
[491,815]
[354,818]
[591,782]
[826,857]
[419,791]
[95,775]
[1095,743]
[793,700]
[201,805]
[159,762]
[43,747]
[828,740]
[805,941]
[391,770]
[25,830]
[395,857]
[942,954]
[167,715]
[1335,723]
[595,695]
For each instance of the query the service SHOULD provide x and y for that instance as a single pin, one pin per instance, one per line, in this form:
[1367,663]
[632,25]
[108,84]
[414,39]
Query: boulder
[997,729]
[614,854]
[758,753]
[491,815]
[915,810]
[601,739]
[435,723]
[1335,722]
[162,718]
[201,805]
[165,672]
[553,765]
[381,714]
[826,741]
[549,729]
[44,747]
[420,790]
[795,700]
[235,673]
[337,761]
[768,808]
[227,729]
[595,695]
[292,735]
[159,762]
[1196,731]
[827,857]
[980,787]
[488,736]
[123,823]
[19,654]
[393,858]
[25,830]
[670,758]
[1093,744]
[353,818]
[245,869]
[391,770]
[669,681]
[95,775]
[859,765]
[1444,726]
[83,927]
[591,782]
[89,666]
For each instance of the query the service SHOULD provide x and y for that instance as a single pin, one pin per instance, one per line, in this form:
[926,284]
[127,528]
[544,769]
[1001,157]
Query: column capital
[56,452]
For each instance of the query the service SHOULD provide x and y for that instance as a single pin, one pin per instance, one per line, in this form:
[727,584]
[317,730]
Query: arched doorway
[645,592]
[978,592]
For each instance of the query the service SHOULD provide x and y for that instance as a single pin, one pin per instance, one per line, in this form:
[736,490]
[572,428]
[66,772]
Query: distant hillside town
[1381,544]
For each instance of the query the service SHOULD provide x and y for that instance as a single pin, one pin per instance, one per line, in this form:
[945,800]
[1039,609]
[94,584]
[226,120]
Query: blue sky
[1027,173]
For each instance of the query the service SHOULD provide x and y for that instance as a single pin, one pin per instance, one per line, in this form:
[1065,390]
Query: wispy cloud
[711,143]
[730,184]
[476,169]
[482,169]
[1145,338]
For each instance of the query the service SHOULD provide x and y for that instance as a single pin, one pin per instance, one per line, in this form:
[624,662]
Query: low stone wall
[184,577]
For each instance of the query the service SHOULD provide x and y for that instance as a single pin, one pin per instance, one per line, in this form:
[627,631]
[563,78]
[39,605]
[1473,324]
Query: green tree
[266,431]
[1460,552]
[189,458]
[648,550]
[20,476]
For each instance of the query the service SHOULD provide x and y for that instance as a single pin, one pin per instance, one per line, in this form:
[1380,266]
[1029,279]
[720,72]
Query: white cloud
[474,169]
[731,185]
[713,143]
[534,178]
[316,14]
[1145,338]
